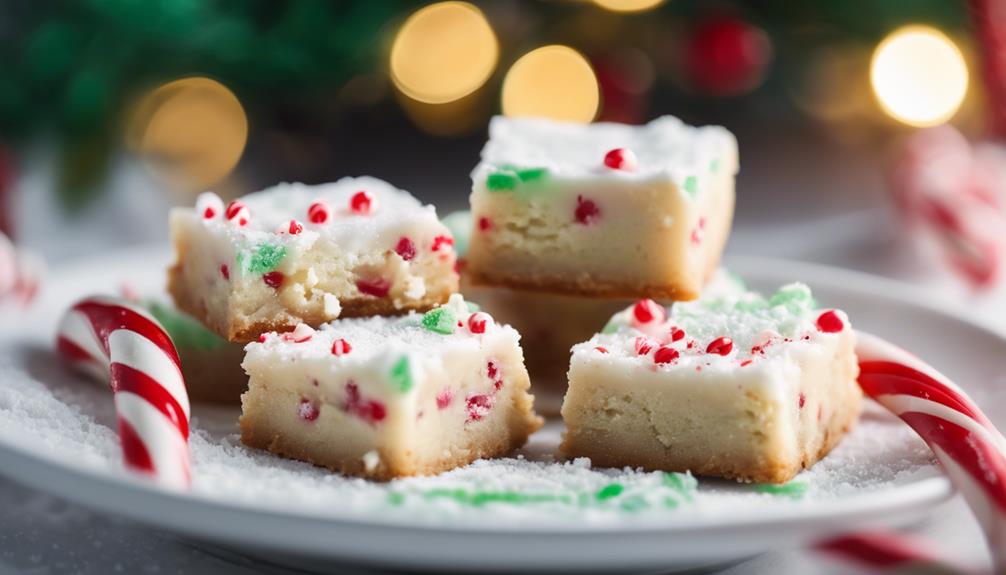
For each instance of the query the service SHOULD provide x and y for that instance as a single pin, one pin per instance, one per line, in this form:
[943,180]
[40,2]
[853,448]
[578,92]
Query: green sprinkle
[633,503]
[532,174]
[792,490]
[501,181]
[482,498]
[395,498]
[440,320]
[610,327]
[692,186]
[401,374]
[796,297]
[752,304]
[609,491]
[185,332]
[262,260]
[714,166]
[671,503]
[683,483]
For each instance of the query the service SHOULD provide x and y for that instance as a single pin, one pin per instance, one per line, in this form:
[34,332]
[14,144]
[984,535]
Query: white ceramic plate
[56,436]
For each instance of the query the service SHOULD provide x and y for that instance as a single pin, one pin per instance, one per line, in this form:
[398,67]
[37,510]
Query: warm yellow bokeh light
[443,52]
[628,5]
[192,131]
[919,76]
[551,82]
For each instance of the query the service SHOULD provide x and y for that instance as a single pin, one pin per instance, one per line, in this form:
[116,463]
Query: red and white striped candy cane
[20,274]
[120,342]
[889,551]
[968,446]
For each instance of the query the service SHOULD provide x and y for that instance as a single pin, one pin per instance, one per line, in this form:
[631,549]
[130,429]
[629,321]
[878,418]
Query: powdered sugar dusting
[56,414]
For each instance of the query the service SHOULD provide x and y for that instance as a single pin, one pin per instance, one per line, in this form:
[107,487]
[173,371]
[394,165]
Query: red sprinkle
[444,398]
[371,411]
[677,334]
[341,347]
[237,210]
[298,335]
[307,410]
[479,406]
[477,322]
[802,400]
[586,211]
[665,354]
[209,213]
[319,213]
[263,337]
[646,311]
[620,159]
[721,345]
[377,287]
[406,248]
[225,271]
[361,203]
[643,345]
[233,208]
[440,241]
[747,362]
[830,322]
[484,224]
[295,227]
[601,349]
[492,371]
[273,279]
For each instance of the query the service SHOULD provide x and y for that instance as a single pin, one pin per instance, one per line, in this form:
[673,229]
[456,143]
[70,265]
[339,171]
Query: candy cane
[120,342]
[20,273]
[950,192]
[968,446]
[886,550]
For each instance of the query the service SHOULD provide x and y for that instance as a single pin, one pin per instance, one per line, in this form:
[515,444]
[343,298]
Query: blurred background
[866,127]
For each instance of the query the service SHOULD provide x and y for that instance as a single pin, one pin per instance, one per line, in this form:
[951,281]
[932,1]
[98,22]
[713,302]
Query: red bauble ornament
[727,56]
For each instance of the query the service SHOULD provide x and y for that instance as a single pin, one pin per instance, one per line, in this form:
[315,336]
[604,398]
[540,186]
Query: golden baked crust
[766,467]
[262,424]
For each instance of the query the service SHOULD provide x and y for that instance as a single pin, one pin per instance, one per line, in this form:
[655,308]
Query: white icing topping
[394,214]
[378,337]
[759,328]
[665,148]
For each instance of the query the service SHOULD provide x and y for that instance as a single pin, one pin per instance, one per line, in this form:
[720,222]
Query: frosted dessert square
[386,397]
[732,385]
[311,254]
[602,209]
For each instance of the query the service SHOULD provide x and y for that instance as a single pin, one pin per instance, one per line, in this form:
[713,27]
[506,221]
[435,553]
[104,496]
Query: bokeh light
[191,131]
[919,76]
[628,5]
[443,52]
[552,82]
